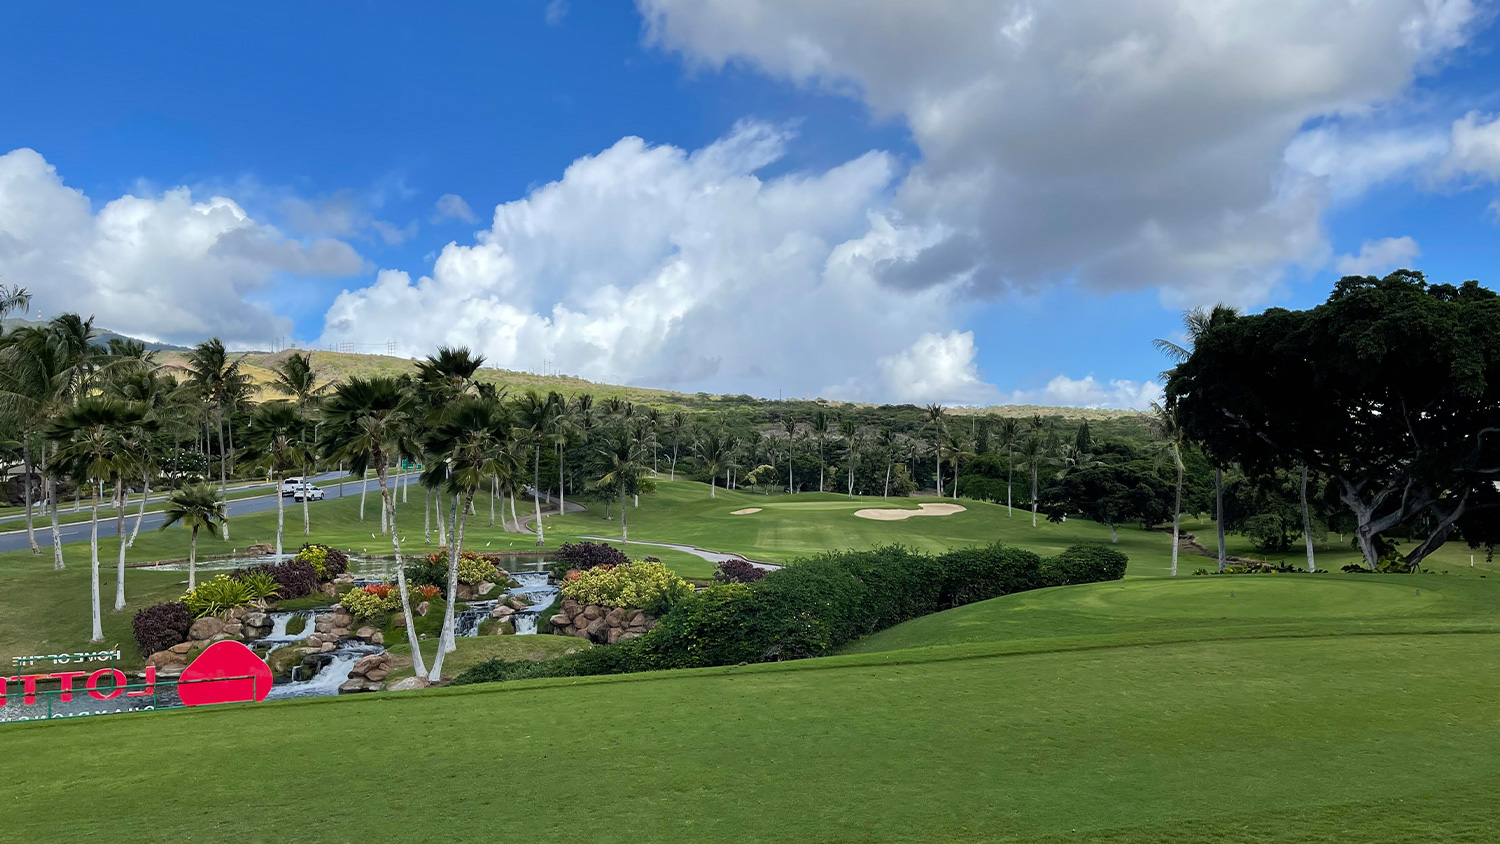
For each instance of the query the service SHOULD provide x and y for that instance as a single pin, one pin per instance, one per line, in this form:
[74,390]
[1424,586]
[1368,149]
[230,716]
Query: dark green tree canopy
[1391,389]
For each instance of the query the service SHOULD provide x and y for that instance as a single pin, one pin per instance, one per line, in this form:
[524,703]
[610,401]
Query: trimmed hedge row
[818,605]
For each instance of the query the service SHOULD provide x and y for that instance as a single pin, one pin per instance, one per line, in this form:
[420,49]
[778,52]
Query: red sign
[93,685]
[226,672]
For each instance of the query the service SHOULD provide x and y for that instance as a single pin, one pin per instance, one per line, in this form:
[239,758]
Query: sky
[950,201]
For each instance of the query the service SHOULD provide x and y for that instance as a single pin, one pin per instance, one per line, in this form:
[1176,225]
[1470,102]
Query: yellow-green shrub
[368,602]
[649,586]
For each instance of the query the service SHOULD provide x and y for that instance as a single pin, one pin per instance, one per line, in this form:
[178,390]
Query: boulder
[561,620]
[592,612]
[330,590]
[615,617]
[260,549]
[206,628]
[256,619]
[181,648]
[465,592]
[598,631]
[501,611]
[346,577]
[238,613]
[352,685]
[571,607]
[377,675]
[327,647]
[367,664]
[631,634]
[400,622]
[614,635]
[635,615]
[484,587]
[378,638]
[423,607]
[164,658]
[408,684]
[365,632]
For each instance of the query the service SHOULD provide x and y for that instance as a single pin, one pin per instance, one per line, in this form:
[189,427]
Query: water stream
[330,675]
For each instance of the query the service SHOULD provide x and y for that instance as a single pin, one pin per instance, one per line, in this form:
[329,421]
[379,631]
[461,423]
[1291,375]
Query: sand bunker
[745,512]
[900,515]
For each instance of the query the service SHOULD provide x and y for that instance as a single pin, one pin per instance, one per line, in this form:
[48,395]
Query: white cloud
[937,368]
[451,206]
[555,12]
[1353,161]
[1090,392]
[165,267]
[1380,256]
[652,264]
[393,234]
[1476,147]
[1128,143]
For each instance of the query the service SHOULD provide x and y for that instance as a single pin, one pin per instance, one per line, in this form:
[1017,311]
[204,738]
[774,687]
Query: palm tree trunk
[713,490]
[124,543]
[26,485]
[536,489]
[223,470]
[306,516]
[364,484]
[624,531]
[791,482]
[280,513]
[411,628]
[448,644]
[193,560]
[820,465]
[562,502]
[1033,493]
[140,515]
[672,475]
[1010,475]
[494,493]
[52,496]
[886,493]
[1176,516]
[427,519]
[98,632]
[442,528]
[1307,523]
[1219,516]
[512,496]
[938,449]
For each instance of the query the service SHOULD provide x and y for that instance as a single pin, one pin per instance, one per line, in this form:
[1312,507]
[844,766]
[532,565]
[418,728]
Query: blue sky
[846,232]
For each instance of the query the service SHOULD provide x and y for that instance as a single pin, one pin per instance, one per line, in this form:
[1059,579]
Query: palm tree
[822,426]
[463,448]
[849,430]
[276,444]
[296,379]
[533,423]
[1168,446]
[561,429]
[886,439]
[1037,449]
[937,421]
[1196,323]
[218,380]
[91,439]
[622,458]
[1009,434]
[676,424]
[370,419]
[198,507]
[789,424]
[162,400]
[956,448]
[645,439]
[713,448]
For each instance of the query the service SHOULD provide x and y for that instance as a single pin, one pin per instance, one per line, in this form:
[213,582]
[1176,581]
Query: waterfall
[329,677]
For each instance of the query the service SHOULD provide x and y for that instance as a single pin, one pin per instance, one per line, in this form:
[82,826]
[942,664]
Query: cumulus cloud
[1476,147]
[1089,392]
[1380,256]
[937,368]
[451,206]
[656,265]
[163,267]
[1125,143]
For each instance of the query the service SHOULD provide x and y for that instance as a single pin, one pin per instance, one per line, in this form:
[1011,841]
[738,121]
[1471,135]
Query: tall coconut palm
[1037,449]
[956,449]
[90,435]
[561,430]
[1195,324]
[622,460]
[277,444]
[463,448]
[937,421]
[159,396]
[849,430]
[789,424]
[1009,434]
[886,440]
[534,414]
[676,424]
[820,427]
[199,507]
[368,421]
[296,379]
[1168,444]
[216,375]
[712,447]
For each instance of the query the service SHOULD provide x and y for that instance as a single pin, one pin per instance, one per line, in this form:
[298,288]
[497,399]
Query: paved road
[79,532]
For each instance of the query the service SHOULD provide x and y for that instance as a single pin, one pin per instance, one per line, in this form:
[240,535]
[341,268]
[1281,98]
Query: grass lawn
[1047,730]
[476,649]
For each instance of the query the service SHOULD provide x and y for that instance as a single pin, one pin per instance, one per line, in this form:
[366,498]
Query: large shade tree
[1390,390]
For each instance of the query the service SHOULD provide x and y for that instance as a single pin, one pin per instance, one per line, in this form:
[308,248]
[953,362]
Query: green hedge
[818,605]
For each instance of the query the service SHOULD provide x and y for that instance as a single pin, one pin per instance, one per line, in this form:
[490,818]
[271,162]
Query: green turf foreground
[1337,733]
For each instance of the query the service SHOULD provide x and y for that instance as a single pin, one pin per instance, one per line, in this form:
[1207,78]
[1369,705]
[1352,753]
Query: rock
[181,648]
[379,638]
[561,620]
[346,577]
[341,617]
[592,612]
[206,628]
[377,675]
[408,684]
[614,635]
[400,622]
[366,664]
[571,607]
[501,611]
[233,627]
[260,549]
[615,617]
[330,590]
[327,647]
[630,634]
[169,671]
[256,619]
[239,612]
[225,637]
[423,607]
[164,658]
[365,632]
[598,630]
[465,592]
[352,685]
[484,587]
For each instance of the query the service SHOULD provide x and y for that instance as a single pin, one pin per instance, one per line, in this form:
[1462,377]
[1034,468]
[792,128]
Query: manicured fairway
[1360,738]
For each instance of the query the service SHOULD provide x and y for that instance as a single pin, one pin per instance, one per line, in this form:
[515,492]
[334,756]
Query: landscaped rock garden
[600,624]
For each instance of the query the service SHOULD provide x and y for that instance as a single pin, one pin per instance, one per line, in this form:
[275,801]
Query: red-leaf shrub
[738,571]
[583,556]
[161,626]
[294,578]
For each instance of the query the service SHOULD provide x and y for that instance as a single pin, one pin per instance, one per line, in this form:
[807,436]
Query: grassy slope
[474,650]
[1352,738]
